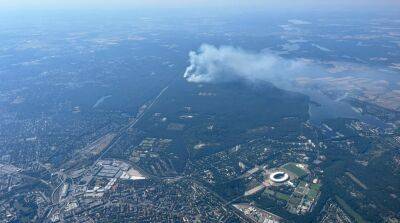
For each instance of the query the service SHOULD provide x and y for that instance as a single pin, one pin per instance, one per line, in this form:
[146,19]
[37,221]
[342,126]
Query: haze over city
[199,111]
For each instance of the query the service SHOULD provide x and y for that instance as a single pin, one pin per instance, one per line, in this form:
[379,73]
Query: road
[115,141]
[129,126]
[224,203]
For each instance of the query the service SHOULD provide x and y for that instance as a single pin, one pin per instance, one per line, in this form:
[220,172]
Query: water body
[101,100]
[328,108]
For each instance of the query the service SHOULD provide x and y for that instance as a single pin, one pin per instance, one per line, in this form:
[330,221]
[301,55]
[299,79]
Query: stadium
[278,177]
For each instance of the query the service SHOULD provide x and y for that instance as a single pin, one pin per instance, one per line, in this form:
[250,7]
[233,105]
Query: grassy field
[349,210]
[295,170]
[356,180]
[315,186]
[282,196]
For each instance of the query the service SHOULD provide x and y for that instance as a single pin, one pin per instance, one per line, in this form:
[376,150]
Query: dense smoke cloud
[224,64]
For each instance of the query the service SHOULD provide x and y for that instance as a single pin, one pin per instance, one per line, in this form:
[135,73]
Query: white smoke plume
[226,63]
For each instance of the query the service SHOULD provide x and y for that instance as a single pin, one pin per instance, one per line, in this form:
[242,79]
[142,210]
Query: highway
[129,126]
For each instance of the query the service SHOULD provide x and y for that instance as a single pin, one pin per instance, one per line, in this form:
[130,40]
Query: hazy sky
[49,4]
